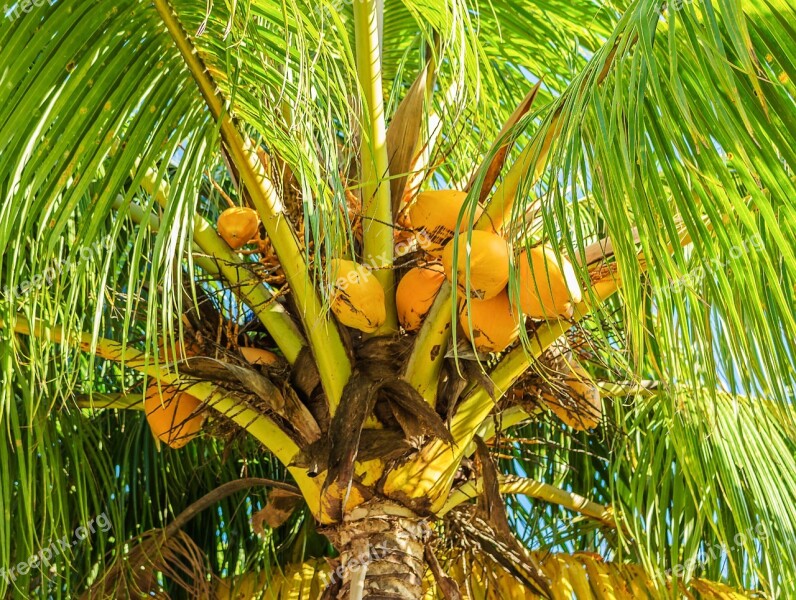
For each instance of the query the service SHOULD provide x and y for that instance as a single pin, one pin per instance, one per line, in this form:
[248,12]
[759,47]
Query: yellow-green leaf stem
[431,344]
[377,230]
[265,430]
[152,222]
[534,489]
[109,401]
[531,160]
[327,347]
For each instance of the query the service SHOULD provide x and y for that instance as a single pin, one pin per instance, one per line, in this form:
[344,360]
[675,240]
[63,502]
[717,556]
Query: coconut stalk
[327,347]
[428,354]
[377,225]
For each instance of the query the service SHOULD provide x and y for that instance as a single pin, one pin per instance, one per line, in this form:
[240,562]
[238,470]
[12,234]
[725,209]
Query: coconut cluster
[478,262]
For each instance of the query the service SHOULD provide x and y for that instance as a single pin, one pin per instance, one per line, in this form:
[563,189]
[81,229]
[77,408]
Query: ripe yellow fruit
[172,415]
[259,356]
[434,215]
[238,226]
[488,255]
[548,286]
[495,325]
[581,408]
[416,293]
[358,297]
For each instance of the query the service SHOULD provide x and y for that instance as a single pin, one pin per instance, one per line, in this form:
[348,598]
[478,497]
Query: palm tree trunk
[381,552]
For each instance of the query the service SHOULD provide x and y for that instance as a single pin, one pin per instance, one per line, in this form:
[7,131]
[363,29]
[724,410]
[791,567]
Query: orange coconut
[488,255]
[579,405]
[434,215]
[238,226]
[178,352]
[172,415]
[548,285]
[358,297]
[416,293]
[495,326]
[259,356]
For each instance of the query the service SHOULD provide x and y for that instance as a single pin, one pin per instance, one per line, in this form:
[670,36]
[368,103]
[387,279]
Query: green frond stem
[428,354]
[241,279]
[377,230]
[528,168]
[622,389]
[139,216]
[501,145]
[327,347]
[530,164]
[265,430]
[109,402]
[534,489]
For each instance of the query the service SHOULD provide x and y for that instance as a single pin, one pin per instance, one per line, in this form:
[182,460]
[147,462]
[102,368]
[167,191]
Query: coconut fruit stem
[334,365]
[377,230]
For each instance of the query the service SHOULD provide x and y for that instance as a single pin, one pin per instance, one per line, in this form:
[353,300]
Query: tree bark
[381,547]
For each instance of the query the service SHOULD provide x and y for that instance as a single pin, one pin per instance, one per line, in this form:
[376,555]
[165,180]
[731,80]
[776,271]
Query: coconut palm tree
[208,209]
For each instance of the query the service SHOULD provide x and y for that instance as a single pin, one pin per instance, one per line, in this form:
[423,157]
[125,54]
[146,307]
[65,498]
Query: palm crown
[398,263]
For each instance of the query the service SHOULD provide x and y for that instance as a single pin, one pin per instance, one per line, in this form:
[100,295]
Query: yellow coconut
[259,356]
[416,293]
[434,215]
[358,297]
[580,405]
[495,326]
[488,255]
[238,226]
[172,415]
[548,285]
